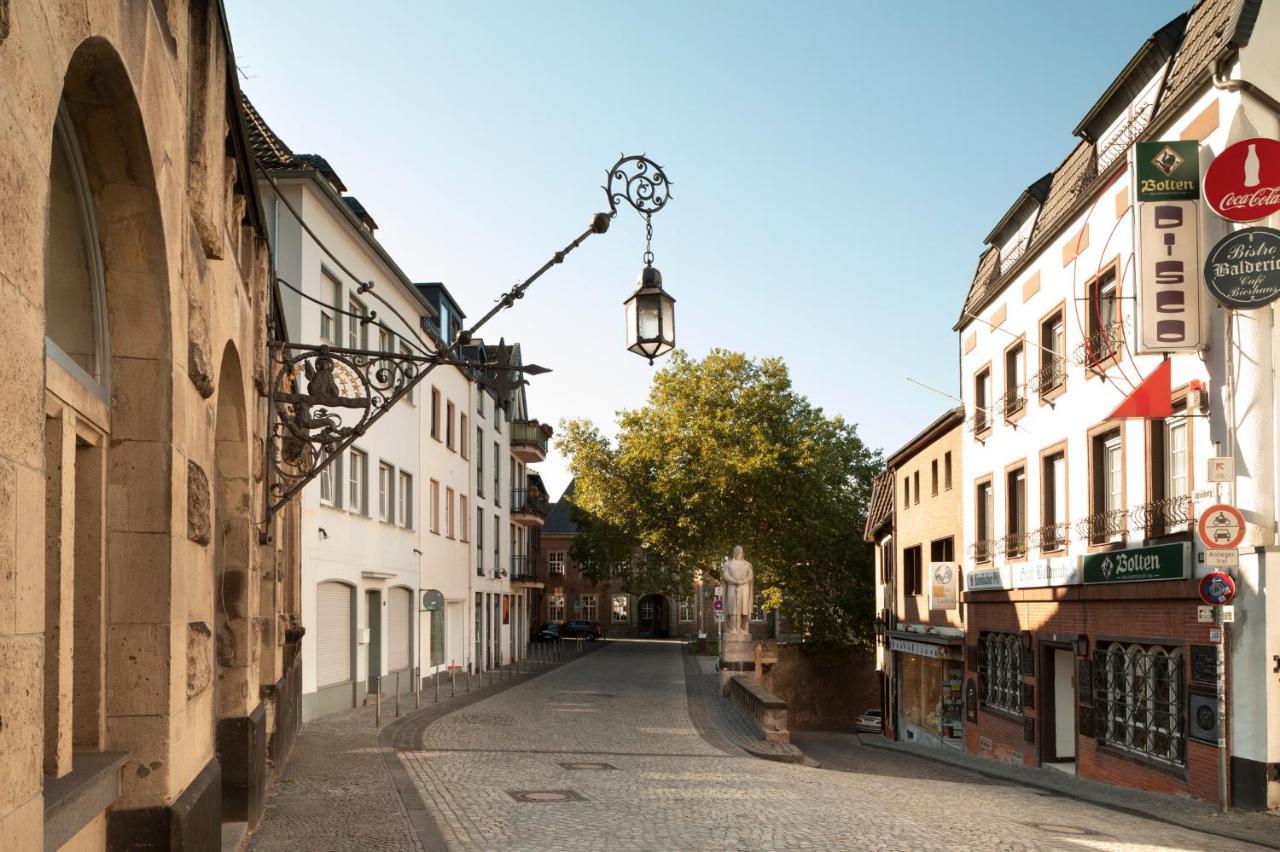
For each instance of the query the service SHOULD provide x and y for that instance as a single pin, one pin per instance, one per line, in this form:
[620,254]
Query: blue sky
[835,167]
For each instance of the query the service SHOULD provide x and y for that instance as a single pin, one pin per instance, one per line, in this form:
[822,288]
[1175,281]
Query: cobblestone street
[602,753]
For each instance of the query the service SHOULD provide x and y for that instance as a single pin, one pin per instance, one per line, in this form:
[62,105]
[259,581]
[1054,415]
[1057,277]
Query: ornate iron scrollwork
[322,398]
[640,182]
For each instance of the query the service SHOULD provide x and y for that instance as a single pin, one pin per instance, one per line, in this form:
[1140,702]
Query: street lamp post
[322,398]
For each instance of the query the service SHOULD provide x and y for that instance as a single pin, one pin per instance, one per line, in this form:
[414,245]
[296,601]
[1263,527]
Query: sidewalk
[1248,826]
[722,722]
[342,788]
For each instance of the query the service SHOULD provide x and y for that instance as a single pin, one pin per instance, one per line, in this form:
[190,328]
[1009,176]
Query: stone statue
[738,598]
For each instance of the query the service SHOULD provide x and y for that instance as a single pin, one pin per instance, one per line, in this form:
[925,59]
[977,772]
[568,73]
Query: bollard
[436,685]
[417,688]
[453,683]
[377,701]
[397,695]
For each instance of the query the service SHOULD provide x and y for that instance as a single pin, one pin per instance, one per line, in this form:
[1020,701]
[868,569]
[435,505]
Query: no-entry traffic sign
[1221,527]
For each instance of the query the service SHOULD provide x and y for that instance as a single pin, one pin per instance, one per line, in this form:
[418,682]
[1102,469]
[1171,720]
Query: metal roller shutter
[333,633]
[399,633]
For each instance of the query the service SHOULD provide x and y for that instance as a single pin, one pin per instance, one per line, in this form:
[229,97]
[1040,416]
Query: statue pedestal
[737,656]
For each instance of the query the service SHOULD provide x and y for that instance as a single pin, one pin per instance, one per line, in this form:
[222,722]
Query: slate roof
[1214,27]
[560,518]
[274,155]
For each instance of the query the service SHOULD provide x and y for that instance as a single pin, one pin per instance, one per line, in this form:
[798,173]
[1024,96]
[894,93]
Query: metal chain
[648,239]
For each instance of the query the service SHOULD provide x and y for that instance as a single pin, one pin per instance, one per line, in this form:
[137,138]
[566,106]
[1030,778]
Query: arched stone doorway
[239,718]
[653,615]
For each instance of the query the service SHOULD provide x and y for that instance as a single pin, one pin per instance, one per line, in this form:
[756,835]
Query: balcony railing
[1163,517]
[1100,345]
[1102,527]
[528,433]
[523,568]
[1013,545]
[983,550]
[979,421]
[1014,400]
[1049,377]
[1051,537]
[528,500]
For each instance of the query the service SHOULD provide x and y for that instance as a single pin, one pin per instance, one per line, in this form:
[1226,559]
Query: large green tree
[726,452]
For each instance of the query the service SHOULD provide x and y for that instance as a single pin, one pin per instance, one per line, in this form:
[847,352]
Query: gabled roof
[560,519]
[1128,84]
[1032,196]
[952,419]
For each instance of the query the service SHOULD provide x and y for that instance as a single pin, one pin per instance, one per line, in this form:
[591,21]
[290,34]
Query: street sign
[1243,269]
[719,604]
[1217,588]
[1221,527]
[719,616]
[1222,469]
[1243,182]
[1222,558]
[1204,614]
[1228,614]
[1215,635]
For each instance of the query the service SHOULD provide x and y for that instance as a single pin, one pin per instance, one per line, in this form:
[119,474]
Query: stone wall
[822,689]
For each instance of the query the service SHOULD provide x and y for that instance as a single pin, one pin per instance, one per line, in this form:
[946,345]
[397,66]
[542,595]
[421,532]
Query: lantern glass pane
[631,322]
[668,319]
[650,312]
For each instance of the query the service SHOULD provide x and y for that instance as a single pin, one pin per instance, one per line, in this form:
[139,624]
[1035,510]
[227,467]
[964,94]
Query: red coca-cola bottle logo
[1243,182]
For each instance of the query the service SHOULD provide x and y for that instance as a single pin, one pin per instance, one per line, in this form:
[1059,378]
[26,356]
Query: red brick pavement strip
[1261,829]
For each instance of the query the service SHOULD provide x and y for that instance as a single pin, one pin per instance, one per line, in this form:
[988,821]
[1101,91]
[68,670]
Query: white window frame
[556,562]
[620,609]
[386,492]
[588,612]
[358,481]
[555,608]
[405,500]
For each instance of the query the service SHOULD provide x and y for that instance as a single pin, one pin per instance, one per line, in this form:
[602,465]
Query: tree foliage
[726,452]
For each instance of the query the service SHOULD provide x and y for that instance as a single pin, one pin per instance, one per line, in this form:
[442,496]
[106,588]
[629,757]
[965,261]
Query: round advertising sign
[1221,527]
[1243,182]
[1217,588]
[1243,269]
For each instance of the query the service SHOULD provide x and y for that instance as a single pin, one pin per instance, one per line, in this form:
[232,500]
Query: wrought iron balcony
[1163,517]
[1013,545]
[528,506]
[523,568]
[1014,400]
[1101,527]
[1101,345]
[529,440]
[1051,537]
[1050,377]
[979,421]
[983,549]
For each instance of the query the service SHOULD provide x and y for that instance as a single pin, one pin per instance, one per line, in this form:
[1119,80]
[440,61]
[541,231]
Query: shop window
[1139,700]
[1000,672]
[912,575]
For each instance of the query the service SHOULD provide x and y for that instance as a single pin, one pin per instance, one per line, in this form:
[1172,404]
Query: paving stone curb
[1263,830]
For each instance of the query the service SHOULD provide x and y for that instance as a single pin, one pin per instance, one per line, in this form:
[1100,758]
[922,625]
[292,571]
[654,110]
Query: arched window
[1141,704]
[75,299]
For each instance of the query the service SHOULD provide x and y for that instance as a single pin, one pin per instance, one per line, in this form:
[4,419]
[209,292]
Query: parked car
[579,627]
[871,722]
[547,633]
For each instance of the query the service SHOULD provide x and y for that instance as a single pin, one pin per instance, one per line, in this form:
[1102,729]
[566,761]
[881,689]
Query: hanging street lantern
[651,317]
[650,311]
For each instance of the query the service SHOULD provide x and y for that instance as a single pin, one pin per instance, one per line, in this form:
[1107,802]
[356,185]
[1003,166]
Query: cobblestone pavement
[662,786]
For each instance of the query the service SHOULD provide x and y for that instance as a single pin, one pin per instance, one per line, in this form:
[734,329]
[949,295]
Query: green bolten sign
[1168,171]
[1159,562]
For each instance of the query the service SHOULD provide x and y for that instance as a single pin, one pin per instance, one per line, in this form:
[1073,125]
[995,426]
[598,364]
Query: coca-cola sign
[1243,269]
[1243,182]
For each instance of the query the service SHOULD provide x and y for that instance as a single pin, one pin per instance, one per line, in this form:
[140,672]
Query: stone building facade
[148,671]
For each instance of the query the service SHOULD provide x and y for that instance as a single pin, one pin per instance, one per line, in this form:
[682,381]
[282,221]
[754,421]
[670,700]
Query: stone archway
[239,718]
[137,608]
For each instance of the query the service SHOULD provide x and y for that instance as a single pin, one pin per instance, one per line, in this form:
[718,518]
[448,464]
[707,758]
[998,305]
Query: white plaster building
[372,521]
[1066,665]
